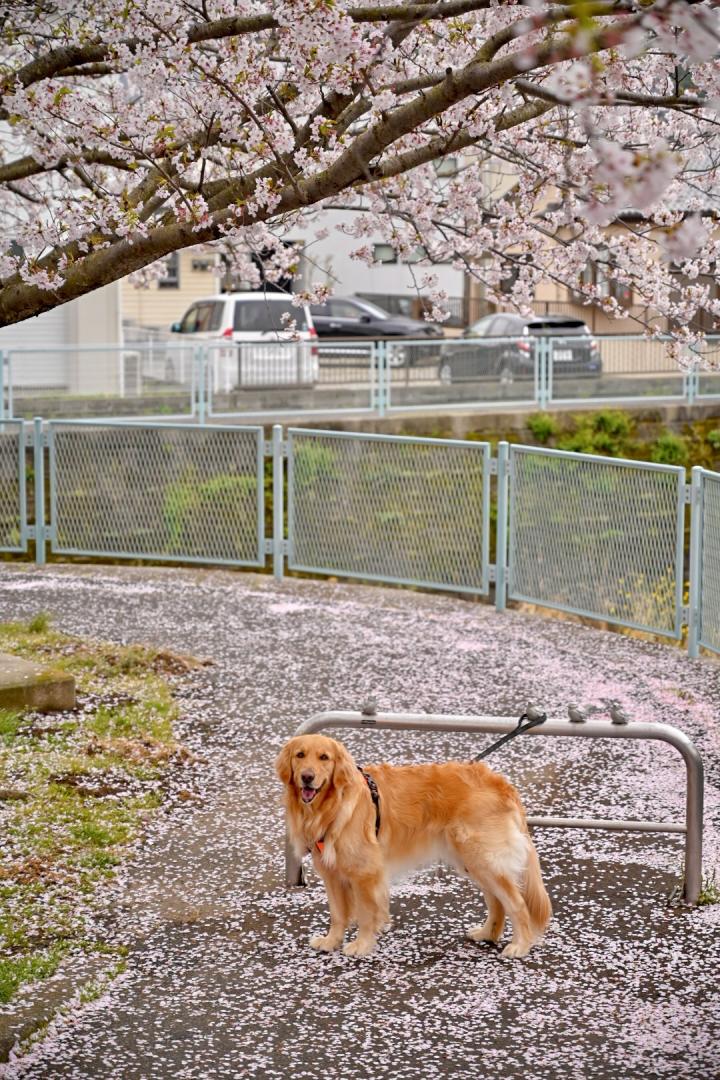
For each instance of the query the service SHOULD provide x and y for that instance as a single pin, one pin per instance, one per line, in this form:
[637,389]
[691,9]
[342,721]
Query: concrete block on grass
[27,685]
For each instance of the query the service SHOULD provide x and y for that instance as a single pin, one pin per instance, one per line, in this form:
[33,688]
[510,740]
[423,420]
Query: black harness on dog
[374,795]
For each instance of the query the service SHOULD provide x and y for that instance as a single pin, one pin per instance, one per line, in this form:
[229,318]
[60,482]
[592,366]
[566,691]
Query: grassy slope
[75,789]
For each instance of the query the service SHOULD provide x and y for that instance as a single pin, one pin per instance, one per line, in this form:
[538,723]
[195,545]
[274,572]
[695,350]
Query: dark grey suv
[502,346]
[349,318]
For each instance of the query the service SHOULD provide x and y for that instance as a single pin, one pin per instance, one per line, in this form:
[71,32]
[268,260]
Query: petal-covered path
[220,980]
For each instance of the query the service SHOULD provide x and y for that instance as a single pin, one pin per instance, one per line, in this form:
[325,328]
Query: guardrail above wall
[200,379]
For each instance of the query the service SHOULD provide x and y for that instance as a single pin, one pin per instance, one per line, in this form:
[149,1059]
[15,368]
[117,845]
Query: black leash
[532,717]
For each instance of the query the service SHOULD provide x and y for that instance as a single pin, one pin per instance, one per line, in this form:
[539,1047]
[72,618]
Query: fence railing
[597,536]
[390,508]
[275,379]
[600,537]
[705,562]
[160,492]
[13,501]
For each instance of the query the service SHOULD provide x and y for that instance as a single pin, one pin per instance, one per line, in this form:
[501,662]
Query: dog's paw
[324,944]
[359,948]
[515,949]
[482,933]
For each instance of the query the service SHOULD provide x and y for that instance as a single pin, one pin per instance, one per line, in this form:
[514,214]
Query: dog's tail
[535,894]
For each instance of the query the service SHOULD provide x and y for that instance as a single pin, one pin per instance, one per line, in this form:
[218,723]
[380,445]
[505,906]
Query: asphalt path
[220,980]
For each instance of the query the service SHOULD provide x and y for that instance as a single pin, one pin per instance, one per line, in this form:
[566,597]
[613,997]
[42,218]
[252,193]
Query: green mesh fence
[710,563]
[158,491]
[12,487]
[411,511]
[597,537]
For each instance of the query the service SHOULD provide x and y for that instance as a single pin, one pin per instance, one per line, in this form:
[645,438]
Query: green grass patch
[710,890]
[10,724]
[76,790]
[39,624]
[15,971]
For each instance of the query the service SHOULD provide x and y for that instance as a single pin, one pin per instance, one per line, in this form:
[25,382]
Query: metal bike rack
[592,729]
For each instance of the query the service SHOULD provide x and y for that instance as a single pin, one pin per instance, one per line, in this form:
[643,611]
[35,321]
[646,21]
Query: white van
[249,343]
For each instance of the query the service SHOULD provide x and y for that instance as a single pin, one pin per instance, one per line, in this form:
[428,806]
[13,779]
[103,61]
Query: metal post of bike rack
[593,729]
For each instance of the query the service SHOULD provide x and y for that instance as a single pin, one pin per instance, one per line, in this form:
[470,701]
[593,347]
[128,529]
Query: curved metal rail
[592,729]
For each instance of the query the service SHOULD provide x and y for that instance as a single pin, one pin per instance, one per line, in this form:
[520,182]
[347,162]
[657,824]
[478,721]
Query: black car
[502,346]
[347,317]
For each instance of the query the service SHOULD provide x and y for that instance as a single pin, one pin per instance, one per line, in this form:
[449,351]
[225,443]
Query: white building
[55,350]
[328,262]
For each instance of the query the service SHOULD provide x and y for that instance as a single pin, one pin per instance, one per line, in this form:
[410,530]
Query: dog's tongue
[308,794]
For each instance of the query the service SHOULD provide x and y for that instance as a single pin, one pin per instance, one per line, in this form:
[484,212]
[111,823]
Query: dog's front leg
[339,901]
[371,911]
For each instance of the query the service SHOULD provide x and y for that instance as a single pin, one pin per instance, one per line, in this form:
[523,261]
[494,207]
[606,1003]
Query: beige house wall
[158,307]
[95,320]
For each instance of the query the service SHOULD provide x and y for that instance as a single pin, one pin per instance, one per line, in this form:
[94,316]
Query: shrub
[606,432]
[613,422]
[40,623]
[542,427]
[670,449]
[713,437]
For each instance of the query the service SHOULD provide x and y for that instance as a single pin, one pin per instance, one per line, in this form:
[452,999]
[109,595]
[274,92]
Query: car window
[343,309]
[216,315]
[262,315]
[481,327]
[189,320]
[368,308]
[502,326]
[204,318]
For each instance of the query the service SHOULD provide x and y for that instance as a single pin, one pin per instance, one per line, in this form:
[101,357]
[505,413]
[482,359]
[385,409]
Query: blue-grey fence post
[542,371]
[278,501]
[503,460]
[696,531]
[201,376]
[3,383]
[382,369]
[689,383]
[39,468]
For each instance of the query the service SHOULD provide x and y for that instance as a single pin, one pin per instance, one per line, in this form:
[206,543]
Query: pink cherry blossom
[128,132]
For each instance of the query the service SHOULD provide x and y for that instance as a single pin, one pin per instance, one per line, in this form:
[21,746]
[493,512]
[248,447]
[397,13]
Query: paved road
[220,980]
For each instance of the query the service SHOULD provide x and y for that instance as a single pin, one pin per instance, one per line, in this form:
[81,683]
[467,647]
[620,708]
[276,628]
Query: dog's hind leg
[516,908]
[371,912]
[492,928]
[338,895]
[503,894]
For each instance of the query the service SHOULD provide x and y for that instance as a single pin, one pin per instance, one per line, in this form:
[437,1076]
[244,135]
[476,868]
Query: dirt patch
[139,751]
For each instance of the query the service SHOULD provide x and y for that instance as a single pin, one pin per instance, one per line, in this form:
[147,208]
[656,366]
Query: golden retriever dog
[462,813]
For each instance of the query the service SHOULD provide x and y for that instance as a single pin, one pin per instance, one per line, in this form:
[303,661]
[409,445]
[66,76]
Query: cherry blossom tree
[132,130]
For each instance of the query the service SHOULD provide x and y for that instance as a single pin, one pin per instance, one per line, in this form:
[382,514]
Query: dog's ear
[346,771]
[283,763]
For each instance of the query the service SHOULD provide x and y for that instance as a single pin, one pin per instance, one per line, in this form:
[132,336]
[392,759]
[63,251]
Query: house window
[418,254]
[171,280]
[596,274]
[384,253]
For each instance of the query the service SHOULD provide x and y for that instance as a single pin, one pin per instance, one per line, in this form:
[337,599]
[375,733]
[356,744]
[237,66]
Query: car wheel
[445,373]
